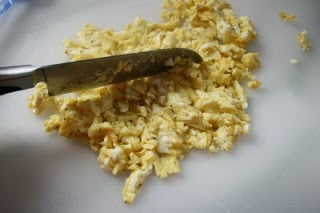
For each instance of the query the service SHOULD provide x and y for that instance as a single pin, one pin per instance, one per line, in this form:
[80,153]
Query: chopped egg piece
[304,41]
[255,84]
[287,17]
[150,124]
[294,61]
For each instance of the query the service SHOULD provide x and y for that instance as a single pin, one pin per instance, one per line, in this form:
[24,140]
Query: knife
[72,76]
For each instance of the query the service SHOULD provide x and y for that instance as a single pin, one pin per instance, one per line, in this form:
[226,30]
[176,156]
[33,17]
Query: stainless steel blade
[67,77]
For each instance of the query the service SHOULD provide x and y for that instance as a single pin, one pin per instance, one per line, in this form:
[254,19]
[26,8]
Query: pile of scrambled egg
[150,124]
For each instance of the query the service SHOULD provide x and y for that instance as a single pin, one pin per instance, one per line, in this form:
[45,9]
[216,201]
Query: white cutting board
[273,169]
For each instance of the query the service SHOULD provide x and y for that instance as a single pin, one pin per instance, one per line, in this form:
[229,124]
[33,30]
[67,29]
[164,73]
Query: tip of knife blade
[181,52]
[191,54]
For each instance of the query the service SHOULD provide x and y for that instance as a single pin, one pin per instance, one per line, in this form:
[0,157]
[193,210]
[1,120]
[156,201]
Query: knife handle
[16,72]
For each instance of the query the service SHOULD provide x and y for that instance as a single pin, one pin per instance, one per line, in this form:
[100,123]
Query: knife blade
[72,76]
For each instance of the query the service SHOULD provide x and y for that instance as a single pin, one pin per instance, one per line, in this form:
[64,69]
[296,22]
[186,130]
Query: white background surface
[273,169]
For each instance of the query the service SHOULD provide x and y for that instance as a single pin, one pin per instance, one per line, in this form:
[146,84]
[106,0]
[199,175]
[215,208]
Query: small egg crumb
[304,41]
[294,61]
[149,125]
[255,84]
[287,17]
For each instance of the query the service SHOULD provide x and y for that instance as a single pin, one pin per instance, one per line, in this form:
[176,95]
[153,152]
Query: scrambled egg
[304,41]
[287,17]
[150,124]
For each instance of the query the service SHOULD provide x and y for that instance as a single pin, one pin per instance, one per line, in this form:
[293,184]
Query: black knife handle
[4,89]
